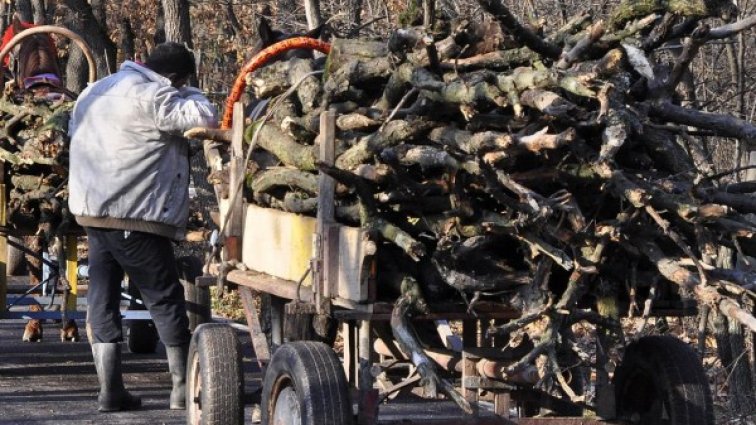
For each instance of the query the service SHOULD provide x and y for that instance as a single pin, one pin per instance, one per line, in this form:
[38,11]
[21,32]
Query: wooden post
[502,404]
[325,242]
[350,362]
[368,396]
[364,353]
[469,370]
[259,340]
[72,272]
[3,247]
[233,231]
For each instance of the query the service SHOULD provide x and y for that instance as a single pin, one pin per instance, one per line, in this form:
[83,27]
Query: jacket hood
[147,72]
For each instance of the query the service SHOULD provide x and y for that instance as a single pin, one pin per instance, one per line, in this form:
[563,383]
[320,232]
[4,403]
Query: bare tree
[39,12]
[24,10]
[126,47]
[98,10]
[233,21]
[159,36]
[5,11]
[177,22]
[78,16]
[312,12]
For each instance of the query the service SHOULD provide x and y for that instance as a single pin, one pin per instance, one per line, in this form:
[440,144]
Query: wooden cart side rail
[270,285]
[493,420]
[259,339]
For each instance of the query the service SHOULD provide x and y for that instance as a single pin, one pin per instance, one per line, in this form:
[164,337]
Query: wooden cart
[299,276]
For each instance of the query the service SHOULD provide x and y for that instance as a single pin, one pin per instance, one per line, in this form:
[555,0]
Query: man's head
[173,61]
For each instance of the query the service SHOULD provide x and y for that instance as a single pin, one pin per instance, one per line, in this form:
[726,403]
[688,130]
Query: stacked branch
[543,173]
[34,149]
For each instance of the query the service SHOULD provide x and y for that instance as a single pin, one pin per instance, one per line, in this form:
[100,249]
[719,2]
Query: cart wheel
[305,385]
[215,380]
[142,337]
[661,382]
[197,298]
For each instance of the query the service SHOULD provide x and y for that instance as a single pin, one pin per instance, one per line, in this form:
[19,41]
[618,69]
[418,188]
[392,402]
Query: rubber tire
[317,377]
[197,298]
[215,358]
[16,261]
[662,369]
[142,337]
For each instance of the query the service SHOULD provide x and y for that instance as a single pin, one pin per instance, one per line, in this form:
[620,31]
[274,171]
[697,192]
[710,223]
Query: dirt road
[51,382]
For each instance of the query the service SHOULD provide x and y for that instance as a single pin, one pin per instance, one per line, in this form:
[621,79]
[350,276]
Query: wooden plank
[502,404]
[259,340]
[469,331]
[367,400]
[461,420]
[278,243]
[327,154]
[449,311]
[270,285]
[325,245]
[493,420]
[350,354]
[349,261]
[233,230]
[3,248]
[330,256]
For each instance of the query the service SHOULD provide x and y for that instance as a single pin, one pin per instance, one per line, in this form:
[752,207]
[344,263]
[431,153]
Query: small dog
[69,331]
[33,329]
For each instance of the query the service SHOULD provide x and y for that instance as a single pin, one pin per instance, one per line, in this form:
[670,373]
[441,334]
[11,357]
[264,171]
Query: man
[129,180]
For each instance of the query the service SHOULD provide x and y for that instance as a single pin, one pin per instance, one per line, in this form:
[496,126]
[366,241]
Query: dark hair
[172,58]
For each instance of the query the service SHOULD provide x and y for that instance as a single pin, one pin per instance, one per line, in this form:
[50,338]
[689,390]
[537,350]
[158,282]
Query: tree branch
[510,24]
[722,125]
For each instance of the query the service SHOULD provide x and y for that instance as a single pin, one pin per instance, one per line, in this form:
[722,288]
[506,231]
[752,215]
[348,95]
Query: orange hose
[261,59]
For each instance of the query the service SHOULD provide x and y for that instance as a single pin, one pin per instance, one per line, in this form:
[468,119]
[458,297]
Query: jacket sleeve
[178,110]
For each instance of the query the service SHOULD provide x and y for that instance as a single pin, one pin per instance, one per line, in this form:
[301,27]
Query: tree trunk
[126,41]
[312,11]
[78,16]
[429,12]
[159,36]
[98,10]
[731,350]
[355,7]
[5,10]
[24,10]
[233,21]
[177,23]
[39,12]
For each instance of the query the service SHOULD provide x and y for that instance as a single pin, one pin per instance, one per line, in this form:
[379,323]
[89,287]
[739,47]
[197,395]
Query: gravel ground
[51,382]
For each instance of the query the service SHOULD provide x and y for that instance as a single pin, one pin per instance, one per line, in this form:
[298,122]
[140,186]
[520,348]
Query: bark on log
[283,146]
[391,134]
[722,125]
[510,24]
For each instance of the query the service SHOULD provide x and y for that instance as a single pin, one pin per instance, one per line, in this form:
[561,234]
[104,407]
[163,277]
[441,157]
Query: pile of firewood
[550,172]
[34,151]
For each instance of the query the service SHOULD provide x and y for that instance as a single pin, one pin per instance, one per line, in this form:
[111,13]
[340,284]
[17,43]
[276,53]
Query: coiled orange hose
[261,59]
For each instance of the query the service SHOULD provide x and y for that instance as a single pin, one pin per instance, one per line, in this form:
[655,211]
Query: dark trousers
[149,262]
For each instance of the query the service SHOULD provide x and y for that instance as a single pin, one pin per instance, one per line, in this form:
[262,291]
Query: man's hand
[214,134]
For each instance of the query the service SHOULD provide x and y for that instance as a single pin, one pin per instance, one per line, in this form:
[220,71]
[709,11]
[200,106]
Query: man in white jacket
[128,183]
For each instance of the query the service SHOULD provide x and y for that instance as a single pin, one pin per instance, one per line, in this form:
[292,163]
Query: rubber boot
[177,357]
[113,395]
